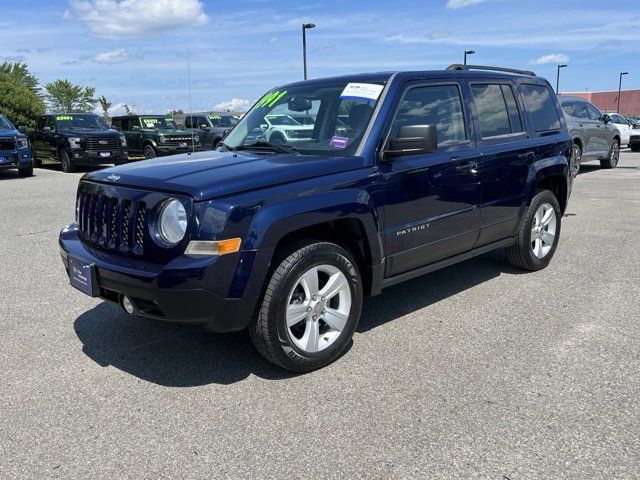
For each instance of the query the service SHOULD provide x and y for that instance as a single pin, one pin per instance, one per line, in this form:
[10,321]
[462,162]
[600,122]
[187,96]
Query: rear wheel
[539,233]
[614,156]
[575,160]
[635,148]
[149,152]
[277,139]
[67,164]
[310,308]
[26,171]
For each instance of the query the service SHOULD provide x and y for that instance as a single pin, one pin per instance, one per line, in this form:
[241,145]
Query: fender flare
[557,166]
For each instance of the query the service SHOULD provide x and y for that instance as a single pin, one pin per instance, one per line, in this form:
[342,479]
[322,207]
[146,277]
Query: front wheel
[614,156]
[575,160]
[310,309]
[67,164]
[149,152]
[539,233]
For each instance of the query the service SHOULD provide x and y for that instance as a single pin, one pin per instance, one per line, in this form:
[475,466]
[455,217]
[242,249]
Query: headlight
[162,139]
[74,142]
[22,142]
[123,141]
[172,221]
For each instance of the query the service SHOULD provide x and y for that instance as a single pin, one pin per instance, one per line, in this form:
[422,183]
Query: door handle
[526,156]
[467,168]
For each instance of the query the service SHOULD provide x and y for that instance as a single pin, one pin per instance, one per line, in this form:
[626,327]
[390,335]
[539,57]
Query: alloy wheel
[543,231]
[318,308]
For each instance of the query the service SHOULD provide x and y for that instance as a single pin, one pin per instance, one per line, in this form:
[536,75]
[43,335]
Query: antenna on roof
[193,145]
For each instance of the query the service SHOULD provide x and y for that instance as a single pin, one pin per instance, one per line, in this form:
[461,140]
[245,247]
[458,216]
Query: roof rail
[459,66]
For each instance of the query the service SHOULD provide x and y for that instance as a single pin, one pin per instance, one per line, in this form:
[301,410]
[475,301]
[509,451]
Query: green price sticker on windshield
[271,98]
[168,119]
[61,118]
[215,117]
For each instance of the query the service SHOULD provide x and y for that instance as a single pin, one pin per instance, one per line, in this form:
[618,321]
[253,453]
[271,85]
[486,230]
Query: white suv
[280,129]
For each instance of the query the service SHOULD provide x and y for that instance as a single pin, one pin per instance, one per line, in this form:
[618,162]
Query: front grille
[101,143]
[7,144]
[178,140]
[112,223]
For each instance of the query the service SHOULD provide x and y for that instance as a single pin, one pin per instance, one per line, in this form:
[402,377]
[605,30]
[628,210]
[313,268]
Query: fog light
[127,304]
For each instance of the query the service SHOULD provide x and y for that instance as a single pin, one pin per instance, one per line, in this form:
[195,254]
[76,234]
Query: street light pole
[305,26]
[558,79]
[620,89]
[468,52]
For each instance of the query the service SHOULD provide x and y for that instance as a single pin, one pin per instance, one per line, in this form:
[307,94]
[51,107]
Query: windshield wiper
[280,148]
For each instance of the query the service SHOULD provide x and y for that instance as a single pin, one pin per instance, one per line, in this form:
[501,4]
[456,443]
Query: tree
[105,105]
[20,73]
[18,102]
[62,96]
[129,110]
[176,112]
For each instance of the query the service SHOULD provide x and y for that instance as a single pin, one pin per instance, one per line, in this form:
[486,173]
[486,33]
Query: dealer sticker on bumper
[82,277]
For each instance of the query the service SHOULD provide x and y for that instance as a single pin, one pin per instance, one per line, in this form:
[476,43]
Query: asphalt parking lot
[477,370]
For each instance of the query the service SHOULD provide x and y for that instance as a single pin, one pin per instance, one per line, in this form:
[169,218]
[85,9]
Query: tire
[290,329]
[66,163]
[614,156]
[635,148]
[149,152]
[26,171]
[575,160]
[531,253]
[277,139]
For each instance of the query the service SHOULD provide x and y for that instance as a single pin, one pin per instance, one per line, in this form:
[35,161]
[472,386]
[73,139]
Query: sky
[135,51]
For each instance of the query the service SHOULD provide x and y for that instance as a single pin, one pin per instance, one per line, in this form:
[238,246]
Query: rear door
[601,131]
[507,152]
[431,200]
[134,137]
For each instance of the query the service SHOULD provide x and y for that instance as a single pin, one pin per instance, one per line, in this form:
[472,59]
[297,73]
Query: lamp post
[558,79]
[468,52]
[620,89]
[305,26]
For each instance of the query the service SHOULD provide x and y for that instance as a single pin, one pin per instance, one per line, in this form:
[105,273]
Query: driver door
[431,200]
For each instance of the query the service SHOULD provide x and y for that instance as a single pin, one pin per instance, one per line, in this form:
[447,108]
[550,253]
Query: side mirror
[205,127]
[606,118]
[414,140]
[136,128]
[22,129]
[225,133]
[47,129]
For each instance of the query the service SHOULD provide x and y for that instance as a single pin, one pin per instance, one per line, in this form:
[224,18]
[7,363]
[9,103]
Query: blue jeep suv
[404,173]
[15,151]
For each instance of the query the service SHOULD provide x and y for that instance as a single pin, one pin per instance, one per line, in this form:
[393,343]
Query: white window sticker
[362,91]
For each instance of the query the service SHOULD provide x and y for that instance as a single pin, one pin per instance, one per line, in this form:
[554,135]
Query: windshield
[80,122]
[5,124]
[335,116]
[223,120]
[161,123]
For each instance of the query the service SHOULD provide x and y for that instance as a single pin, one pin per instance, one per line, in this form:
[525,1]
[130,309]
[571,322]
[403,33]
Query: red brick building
[608,101]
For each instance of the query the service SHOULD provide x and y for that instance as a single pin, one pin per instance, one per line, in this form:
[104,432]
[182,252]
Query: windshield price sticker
[60,118]
[339,142]
[271,98]
[215,117]
[361,91]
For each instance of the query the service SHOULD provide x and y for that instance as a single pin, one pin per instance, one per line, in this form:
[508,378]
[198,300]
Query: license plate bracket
[82,276]
[105,154]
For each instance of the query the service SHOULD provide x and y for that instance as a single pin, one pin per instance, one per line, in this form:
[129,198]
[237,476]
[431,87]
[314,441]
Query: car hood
[214,174]
[89,133]
[11,133]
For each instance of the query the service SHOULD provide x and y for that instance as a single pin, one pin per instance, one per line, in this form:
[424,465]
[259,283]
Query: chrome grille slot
[101,143]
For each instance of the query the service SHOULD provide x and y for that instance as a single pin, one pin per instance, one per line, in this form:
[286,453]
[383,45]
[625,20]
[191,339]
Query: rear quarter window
[541,107]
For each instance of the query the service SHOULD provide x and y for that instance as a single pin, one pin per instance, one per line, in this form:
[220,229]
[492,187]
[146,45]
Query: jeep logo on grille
[113,177]
[104,142]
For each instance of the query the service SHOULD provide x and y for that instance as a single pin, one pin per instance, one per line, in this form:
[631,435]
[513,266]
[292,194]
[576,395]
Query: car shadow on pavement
[179,356]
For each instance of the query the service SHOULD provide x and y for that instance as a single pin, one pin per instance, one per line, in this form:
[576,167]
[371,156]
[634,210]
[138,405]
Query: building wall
[608,101]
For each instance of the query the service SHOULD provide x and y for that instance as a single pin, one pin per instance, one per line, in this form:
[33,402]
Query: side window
[439,105]
[42,122]
[541,106]
[188,121]
[202,121]
[575,109]
[497,110]
[593,112]
[116,123]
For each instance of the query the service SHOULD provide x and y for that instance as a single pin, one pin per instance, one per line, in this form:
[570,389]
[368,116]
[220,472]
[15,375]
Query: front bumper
[86,157]
[634,141]
[15,159]
[182,291]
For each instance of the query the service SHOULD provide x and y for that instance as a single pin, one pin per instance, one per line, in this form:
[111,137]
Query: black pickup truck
[74,139]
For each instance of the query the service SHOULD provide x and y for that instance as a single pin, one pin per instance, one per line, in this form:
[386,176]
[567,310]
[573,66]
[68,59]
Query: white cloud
[551,58]
[456,4]
[235,104]
[119,55]
[116,19]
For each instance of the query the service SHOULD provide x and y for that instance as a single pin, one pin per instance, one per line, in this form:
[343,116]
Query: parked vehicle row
[401,174]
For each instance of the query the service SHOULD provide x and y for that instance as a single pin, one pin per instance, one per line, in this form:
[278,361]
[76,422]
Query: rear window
[541,106]
[497,110]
